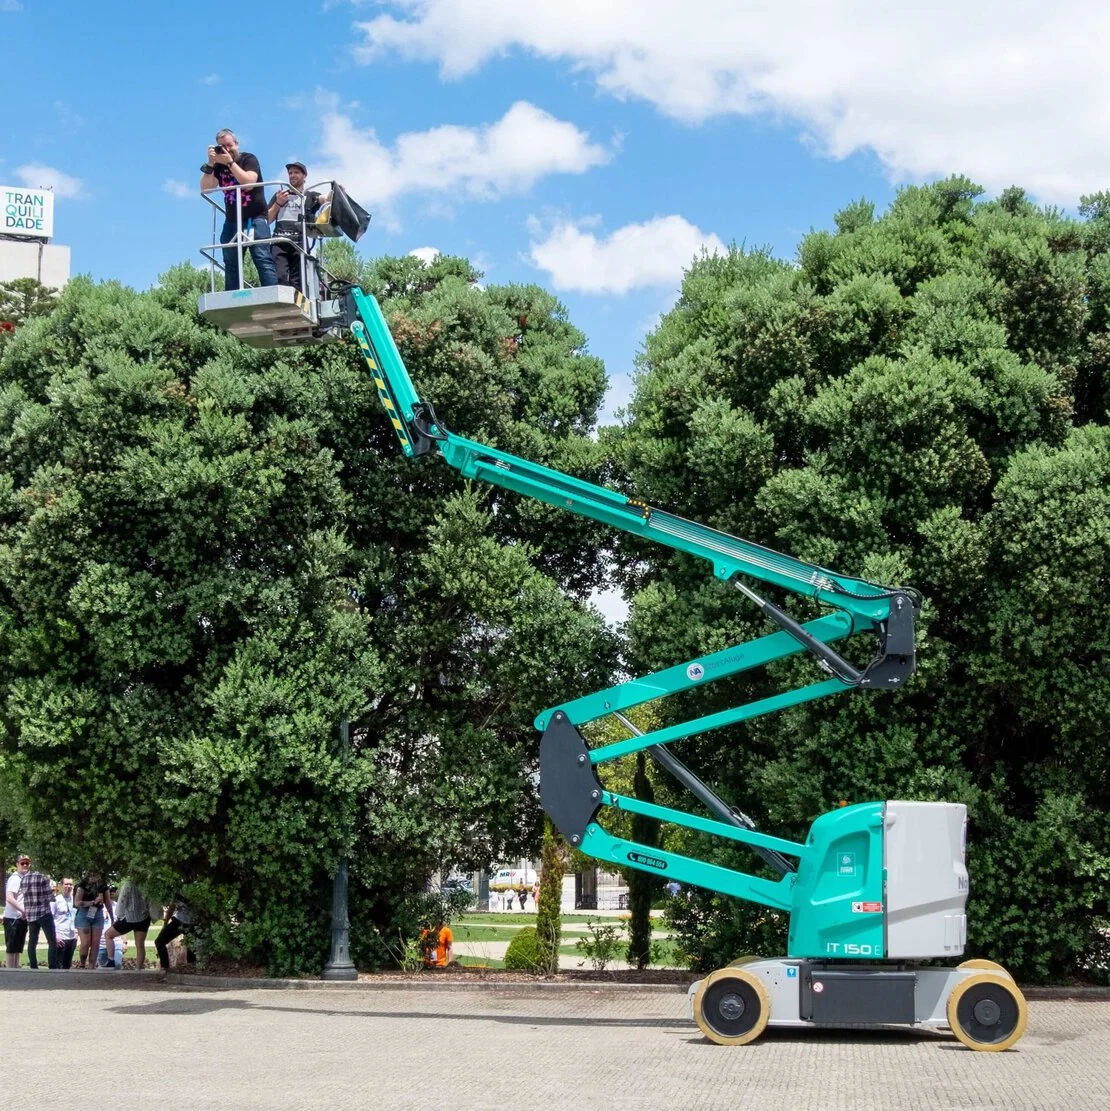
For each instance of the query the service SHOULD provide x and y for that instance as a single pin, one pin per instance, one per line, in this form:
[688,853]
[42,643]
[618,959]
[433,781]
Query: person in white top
[15,925]
[132,913]
[64,926]
[288,210]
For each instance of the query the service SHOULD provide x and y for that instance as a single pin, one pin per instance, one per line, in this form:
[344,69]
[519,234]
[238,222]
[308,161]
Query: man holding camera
[289,209]
[229,168]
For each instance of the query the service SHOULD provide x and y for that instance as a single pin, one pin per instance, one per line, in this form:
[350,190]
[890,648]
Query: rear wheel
[987,1012]
[731,1007]
[986,966]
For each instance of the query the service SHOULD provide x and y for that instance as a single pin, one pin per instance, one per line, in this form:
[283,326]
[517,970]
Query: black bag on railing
[340,215]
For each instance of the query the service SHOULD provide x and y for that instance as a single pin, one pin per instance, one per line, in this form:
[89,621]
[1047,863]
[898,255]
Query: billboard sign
[28,212]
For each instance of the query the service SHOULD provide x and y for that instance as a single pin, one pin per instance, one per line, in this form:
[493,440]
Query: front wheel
[987,1012]
[731,1007]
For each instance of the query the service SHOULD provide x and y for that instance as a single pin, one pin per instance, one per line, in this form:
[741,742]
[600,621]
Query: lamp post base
[339,966]
[339,972]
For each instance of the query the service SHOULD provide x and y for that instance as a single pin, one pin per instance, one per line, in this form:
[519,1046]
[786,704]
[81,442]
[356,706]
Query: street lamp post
[339,966]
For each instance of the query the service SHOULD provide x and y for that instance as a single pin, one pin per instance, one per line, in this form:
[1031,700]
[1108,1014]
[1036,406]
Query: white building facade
[26,228]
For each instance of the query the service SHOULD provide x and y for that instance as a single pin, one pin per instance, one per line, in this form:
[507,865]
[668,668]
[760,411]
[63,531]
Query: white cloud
[427,255]
[37,176]
[1008,91]
[209,79]
[67,117]
[486,162]
[178,188]
[650,254]
[10,6]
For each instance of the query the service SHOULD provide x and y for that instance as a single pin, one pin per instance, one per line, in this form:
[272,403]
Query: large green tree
[209,555]
[919,399]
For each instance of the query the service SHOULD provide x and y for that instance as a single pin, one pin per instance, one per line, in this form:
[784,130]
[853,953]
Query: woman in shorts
[132,914]
[92,900]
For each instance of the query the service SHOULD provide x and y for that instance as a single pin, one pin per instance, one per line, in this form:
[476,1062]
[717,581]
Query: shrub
[602,946]
[523,954]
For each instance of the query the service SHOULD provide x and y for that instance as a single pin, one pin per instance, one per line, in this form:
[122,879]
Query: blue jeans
[263,259]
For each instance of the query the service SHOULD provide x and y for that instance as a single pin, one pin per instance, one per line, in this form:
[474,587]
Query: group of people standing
[503,900]
[87,920]
[246,209]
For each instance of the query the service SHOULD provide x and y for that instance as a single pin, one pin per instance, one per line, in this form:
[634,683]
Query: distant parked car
[456,889]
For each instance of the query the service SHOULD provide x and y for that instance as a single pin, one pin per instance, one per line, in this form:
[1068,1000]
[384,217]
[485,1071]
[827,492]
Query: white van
[512,879]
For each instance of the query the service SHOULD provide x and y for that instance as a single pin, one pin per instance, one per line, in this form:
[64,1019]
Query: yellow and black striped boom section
[385,396]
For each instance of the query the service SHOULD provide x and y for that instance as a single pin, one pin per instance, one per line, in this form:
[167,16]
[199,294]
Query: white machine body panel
[926,879]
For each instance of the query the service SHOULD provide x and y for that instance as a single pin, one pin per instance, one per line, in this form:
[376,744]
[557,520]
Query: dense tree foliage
[24,298]
[20,300]
[921,399]
[209,555]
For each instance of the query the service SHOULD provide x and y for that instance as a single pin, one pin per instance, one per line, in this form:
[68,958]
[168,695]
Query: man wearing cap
[290,208]
[15,922]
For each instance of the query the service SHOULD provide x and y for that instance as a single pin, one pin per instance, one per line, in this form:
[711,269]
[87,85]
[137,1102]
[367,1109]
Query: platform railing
[311,267]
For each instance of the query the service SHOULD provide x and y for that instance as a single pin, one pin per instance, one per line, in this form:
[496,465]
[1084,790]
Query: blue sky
[591,148]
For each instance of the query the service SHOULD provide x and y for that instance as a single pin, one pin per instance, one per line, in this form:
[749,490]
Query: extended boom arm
[571,793]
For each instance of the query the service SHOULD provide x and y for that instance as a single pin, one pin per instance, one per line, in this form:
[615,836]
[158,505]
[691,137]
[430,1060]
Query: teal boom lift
[873,892]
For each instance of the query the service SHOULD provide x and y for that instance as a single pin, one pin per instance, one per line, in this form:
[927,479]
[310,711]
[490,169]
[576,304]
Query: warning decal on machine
[867,908]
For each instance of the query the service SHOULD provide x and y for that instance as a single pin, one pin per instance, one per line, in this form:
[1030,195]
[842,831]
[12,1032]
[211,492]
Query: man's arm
[242,176]
[12,900]
[208,181]
[281,198]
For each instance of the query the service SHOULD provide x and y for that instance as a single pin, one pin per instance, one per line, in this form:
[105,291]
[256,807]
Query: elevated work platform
[273,316]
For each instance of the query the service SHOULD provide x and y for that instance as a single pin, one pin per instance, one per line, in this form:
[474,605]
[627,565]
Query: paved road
[388,1048]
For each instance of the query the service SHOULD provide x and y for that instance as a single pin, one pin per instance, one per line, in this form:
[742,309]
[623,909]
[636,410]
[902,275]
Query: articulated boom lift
[875,888]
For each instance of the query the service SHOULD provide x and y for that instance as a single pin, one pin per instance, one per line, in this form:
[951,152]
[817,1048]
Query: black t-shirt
[254,200]
[91,889]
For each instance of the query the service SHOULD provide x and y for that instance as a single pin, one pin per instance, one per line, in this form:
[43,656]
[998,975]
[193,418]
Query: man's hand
[281,198]
[224,159]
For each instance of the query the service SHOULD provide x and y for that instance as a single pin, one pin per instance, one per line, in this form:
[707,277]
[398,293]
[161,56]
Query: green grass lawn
[476,929]
[528,918]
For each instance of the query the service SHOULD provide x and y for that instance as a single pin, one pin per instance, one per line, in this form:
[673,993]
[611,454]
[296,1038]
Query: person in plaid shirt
[37,895]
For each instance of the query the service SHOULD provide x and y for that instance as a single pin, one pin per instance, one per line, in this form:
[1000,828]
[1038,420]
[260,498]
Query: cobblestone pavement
[143,1046]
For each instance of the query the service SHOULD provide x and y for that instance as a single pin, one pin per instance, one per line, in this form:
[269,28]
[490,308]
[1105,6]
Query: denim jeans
[65,952]
[263,259]
[46,924]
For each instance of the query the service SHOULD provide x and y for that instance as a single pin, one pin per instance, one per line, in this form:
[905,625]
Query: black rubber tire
[987,1012]
[731,1007]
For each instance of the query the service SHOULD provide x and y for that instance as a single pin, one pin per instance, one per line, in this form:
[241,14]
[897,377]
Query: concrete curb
[233,983]
[70,979]
[75,979]
[1082,993]
[1079,993]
